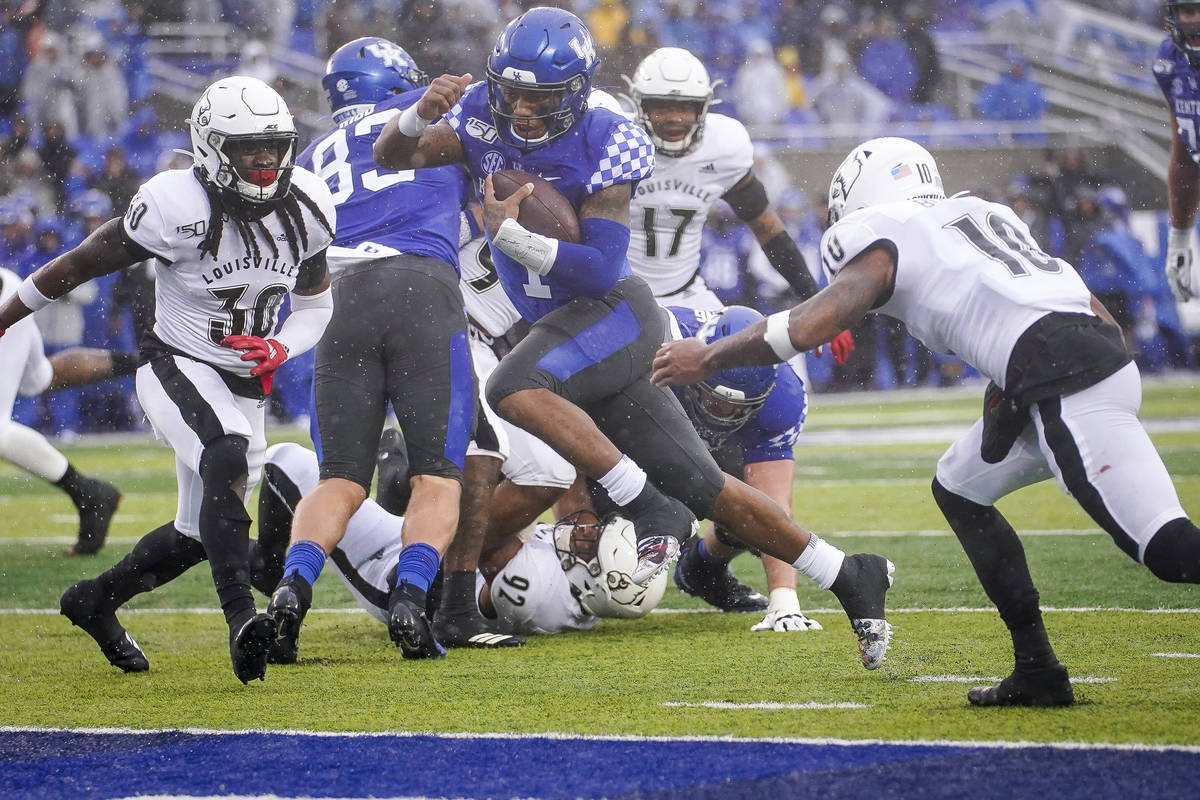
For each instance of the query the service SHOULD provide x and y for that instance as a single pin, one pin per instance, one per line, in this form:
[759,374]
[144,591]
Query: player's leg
[431,385]
[349,391]
[966,489]
[576,357]
[649,422]
[1103,457]
[24,368]
[218,436]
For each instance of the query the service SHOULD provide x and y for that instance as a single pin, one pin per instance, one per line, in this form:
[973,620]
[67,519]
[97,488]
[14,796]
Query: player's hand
[268,353]
[841,346]
[786,622]
[496,211]
[679,363]
[1180,264]
[441,95]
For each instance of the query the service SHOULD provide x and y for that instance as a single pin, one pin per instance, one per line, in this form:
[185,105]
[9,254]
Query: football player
[398,336]
[231,238]
[750,418]
[1176,69]
[595,326]
[1064,395]
[25,370]
[548,579]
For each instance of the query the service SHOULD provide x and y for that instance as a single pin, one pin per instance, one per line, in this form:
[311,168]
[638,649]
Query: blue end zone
[55,764]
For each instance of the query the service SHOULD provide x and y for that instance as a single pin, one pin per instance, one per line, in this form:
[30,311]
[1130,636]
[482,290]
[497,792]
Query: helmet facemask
[556,107]
[672,75]
[598,559]
[718,410]
[1185,34]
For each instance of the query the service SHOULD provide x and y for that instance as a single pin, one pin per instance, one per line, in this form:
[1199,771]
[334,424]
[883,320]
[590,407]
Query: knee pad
[1173,553]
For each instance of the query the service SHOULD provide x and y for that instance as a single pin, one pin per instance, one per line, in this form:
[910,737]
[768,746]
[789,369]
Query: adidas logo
[709,167]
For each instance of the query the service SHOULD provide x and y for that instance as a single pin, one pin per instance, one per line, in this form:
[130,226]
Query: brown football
[547,211]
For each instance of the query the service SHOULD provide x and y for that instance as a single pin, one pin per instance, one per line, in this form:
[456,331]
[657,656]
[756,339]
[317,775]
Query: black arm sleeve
[135,250]
[789,262]
[312,272]
[749,201]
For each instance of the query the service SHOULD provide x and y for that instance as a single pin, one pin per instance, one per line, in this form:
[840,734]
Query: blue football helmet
[365,71]
[1181,33]
[723,403]
[547,54]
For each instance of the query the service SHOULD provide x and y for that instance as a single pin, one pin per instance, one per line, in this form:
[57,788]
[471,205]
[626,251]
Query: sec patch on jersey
[547,211]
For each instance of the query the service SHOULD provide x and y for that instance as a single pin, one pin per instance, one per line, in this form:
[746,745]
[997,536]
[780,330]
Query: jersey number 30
[256,321]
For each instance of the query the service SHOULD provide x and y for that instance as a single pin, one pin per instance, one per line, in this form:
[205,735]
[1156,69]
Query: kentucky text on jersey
[250,262]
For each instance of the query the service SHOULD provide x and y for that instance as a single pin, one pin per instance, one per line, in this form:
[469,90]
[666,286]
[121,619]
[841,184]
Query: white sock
[820,561]
[624,482]
[30,451]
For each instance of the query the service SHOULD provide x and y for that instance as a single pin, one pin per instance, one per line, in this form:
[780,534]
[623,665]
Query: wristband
[1179,238]
[777,337]
[531,250]
[410,123]
[31,296]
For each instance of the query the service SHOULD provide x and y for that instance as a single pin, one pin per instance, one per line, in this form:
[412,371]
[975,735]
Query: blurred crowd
[79,133]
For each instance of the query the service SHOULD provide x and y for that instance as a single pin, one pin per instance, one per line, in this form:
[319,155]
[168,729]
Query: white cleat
[874,639]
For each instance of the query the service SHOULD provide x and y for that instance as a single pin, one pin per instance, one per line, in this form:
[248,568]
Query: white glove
[784,614]
[1180,262]
[781,622]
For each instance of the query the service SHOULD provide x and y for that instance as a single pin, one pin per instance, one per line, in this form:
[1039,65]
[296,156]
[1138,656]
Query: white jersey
[532,594]
[970,279]
[24,368]
[486,303]
[668,209]
[200,301]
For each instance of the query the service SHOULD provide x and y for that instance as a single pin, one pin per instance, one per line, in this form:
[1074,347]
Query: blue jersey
[410,211]
[771,434]
[602,149]
[1178,81]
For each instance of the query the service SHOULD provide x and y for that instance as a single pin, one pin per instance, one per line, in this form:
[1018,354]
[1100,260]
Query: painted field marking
[1175,655]
[722,706]
[913,610]
[990,679]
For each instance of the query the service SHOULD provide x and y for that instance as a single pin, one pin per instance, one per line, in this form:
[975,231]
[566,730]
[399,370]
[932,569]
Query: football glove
[786,622]
[1180,263]
[269,354]
[841,346]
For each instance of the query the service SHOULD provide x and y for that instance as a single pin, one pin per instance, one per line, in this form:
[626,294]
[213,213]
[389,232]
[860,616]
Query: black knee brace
[1173,553]
[225,525]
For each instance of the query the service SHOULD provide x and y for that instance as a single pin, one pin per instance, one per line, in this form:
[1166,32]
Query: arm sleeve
[788,261]
[593,267]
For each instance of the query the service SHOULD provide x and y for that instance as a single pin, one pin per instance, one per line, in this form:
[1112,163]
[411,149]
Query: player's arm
[590,268]
[106,250]
[409,141]
[1183,197]
[79,366]
[748,199]
[856,289]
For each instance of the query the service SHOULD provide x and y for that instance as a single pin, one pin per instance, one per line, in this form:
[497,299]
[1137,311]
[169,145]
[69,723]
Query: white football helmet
[239,109]
[672,73]
[599,559]
[883,171]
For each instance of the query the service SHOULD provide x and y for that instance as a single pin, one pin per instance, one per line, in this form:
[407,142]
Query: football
[546,211]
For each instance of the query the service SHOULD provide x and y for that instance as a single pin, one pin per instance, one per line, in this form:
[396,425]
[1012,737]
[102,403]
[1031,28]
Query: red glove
[841,346]
[267,352]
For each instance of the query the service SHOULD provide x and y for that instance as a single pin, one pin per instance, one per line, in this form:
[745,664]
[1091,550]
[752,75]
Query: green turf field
[864,466]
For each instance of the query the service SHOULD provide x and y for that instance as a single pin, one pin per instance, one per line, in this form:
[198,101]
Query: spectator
[1015,97]
[918,18]
[46,90]
[58,159]
[760,89]
[678,28]
[142,142]
[430,37]
[842,96]
[104,98]
[797,90]
[1081,222]
[117,179]
[16,232]
[255,62]
[14,58]
[827,44]
[29,180]
[886,62]
[724,256]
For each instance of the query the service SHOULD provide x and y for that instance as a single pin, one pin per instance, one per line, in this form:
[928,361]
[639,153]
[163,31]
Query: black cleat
[95,515]
[289,603]
[248,647]
[1046,686]
[81,605]
[715,583]
[470,629]
[409,627]
[861,587]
